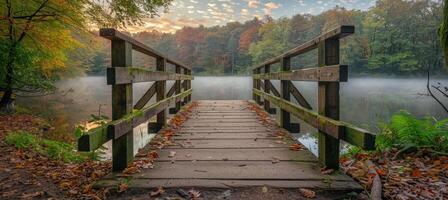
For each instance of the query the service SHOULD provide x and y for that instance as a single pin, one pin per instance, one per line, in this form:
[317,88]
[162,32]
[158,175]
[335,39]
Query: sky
[219,12]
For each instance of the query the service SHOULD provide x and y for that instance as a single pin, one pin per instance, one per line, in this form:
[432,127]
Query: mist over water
[364,101]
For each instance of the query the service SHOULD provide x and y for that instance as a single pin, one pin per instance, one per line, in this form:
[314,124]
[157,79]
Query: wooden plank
[230,135]
[328,104]
[124,75]
[347,186]
[115,35]
[122,147]
[339,32]
[266,89]
[237,170]
[356,136]
[237,155]
[221,124]
[231,144]
[146,97]
[298,96]
[118,127]
[334,73]
[94,139]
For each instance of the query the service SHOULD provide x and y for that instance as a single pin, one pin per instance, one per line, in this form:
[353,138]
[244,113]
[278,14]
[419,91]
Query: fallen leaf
[264,189]
[157,192]
[131,170]
[296,147]
[307,193]
[326,171]
[172,154]
[416,173]
[275,160]
[122,187]
[194,194]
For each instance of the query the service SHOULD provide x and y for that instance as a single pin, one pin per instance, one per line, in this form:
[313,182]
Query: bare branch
[430,92]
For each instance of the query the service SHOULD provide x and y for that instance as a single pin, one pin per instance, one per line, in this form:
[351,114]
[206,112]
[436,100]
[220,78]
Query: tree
[443,32]
[35,37]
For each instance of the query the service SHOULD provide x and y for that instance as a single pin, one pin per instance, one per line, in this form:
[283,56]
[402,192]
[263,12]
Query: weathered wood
[215,153]
[146,97]
[257,86]
[122,147]
[266,88]
[328,104]
[178,88]
[124,75]
[273,89]
[347,132]
[115,35]
[337,33]
[171,91]
[95,138]
[119,127]
[335,73]
[298,96]
[285,118]
[160,89]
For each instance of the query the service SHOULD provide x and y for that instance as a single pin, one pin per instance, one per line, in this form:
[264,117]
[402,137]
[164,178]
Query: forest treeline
[394,37]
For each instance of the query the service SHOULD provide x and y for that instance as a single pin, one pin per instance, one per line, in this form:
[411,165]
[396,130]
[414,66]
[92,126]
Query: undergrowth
[405,131]
[52,149]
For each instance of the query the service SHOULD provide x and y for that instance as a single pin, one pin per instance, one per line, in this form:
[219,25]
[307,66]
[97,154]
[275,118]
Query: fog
[364,101]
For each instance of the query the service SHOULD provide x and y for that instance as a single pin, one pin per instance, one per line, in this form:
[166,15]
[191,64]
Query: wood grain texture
[231,148]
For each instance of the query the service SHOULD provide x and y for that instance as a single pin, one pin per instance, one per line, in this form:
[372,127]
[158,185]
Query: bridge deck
[226,144]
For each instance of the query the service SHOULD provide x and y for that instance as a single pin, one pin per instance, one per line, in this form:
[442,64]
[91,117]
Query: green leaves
[405,129]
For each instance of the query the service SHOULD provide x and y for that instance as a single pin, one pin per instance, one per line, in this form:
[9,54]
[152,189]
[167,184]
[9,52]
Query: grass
[53,149]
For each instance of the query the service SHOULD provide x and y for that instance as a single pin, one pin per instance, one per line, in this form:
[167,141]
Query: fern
[406,130]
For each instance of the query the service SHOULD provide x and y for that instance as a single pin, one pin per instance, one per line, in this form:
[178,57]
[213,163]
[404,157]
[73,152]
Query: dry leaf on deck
[157,192]
[296,147]
[172,154]
[307,193]
[194,194]
[122,187]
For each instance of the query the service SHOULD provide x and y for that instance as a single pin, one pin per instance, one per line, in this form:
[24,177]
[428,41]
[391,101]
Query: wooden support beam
[266,88]
[146,97]
[115,35]
[298,96]
[335,73]
[337,33]
[177,87]
[161,87]
[285,118]
[171,91]
[261,84]
[337,129]
[328,103]
[257,85]
[122,147]
[125,75]
[273,89]
[95,138]
[121,126]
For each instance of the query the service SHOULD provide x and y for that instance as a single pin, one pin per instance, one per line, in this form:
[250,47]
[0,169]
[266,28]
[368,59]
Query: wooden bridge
[229,143]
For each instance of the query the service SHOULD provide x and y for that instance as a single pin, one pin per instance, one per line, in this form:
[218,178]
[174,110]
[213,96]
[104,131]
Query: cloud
[268,7]
[253,3]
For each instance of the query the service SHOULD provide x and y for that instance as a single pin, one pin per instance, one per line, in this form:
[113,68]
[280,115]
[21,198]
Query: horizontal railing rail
[328,76]
[125,115]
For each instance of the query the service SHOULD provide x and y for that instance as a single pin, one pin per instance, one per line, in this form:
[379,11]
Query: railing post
[160,89]
[188,86]
[122,147]
[328,103]
[257,83]
[178,88]
[285,118]
[267,106]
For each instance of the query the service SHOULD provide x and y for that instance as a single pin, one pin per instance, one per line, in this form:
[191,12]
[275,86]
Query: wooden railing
[328,74]
[126,115]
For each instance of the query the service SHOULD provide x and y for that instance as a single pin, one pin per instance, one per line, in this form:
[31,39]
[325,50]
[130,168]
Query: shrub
[405,130]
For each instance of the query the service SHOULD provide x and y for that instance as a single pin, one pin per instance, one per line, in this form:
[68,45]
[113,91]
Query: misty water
[365,102]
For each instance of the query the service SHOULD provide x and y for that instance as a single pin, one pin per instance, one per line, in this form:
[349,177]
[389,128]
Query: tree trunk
[6,103]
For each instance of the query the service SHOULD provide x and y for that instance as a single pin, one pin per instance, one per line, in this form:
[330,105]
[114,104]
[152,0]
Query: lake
[365,102]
